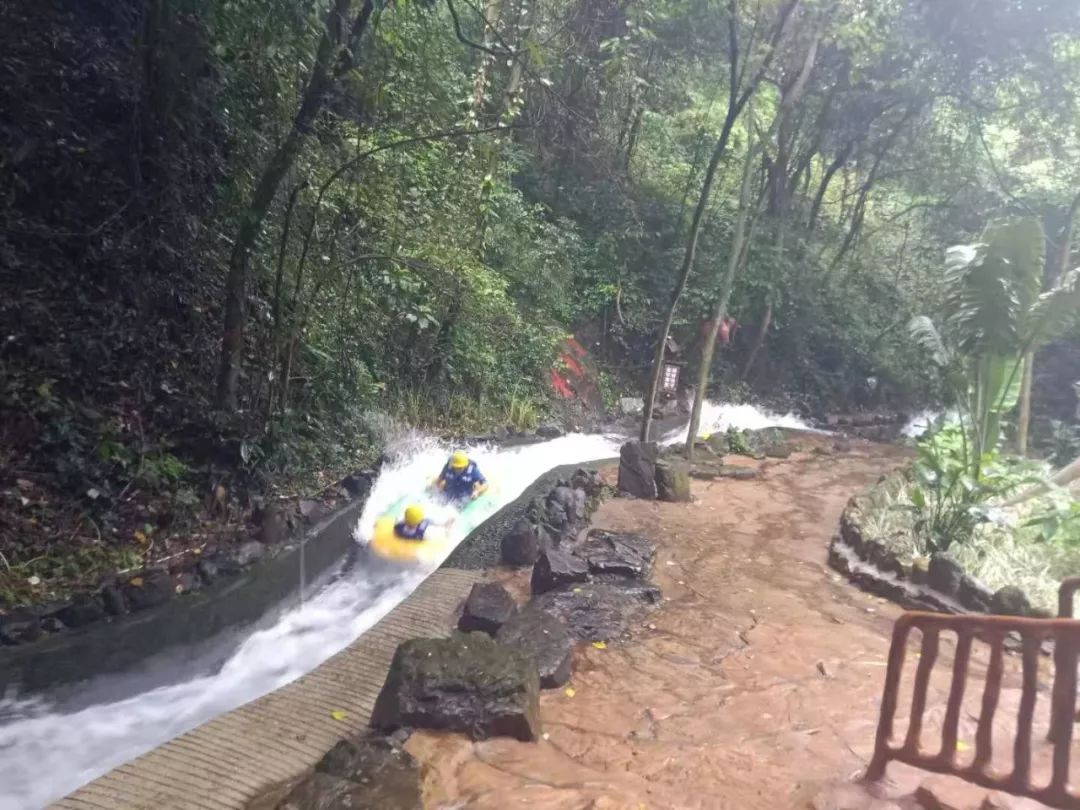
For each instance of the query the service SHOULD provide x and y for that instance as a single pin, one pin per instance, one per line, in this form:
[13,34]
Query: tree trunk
[738,97]
[251,220]
[735,256]
[1023,422]
[759,340]
[1058,257]
[685,269]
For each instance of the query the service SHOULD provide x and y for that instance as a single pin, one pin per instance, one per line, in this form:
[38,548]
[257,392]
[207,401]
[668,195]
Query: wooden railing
[1064,633]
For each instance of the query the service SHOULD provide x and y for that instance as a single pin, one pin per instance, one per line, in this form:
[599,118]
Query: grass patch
[1011,548]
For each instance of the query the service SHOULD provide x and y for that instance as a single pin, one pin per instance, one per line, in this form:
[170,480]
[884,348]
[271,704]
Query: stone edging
[231,760]
[235,599]
[941,586]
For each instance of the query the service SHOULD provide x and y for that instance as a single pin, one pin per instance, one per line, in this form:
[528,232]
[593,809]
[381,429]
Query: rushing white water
[922,422]
[46,753]
[717,417]
[47,750]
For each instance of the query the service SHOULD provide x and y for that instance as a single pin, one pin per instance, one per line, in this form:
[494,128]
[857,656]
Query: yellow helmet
[459,461]
[414,515]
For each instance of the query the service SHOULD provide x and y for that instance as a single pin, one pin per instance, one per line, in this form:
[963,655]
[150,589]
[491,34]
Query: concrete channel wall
[231,760]
[234,759]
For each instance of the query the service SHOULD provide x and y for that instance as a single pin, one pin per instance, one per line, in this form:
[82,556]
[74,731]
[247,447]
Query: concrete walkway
[231,760]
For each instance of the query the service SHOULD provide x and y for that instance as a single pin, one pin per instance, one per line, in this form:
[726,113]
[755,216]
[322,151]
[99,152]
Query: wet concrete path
[754,687]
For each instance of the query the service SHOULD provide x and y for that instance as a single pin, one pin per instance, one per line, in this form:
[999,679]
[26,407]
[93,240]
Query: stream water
[50,747]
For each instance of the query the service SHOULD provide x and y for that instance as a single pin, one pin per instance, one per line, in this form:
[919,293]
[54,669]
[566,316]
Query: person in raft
[461,480]
[413,525]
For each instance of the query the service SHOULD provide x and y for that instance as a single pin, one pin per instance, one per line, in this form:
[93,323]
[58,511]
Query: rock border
[238,590]
[941,586]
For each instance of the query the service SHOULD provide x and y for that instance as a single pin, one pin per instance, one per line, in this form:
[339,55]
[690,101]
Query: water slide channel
[49,746]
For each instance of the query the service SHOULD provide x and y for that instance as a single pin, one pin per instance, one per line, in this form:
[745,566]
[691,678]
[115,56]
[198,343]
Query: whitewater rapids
[48,749]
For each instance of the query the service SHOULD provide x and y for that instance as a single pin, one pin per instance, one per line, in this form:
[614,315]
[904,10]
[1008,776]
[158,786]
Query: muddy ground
[755,686]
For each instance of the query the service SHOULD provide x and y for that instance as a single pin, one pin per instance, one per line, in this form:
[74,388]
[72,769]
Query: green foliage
[1063,444]
[992,316]
[947,502]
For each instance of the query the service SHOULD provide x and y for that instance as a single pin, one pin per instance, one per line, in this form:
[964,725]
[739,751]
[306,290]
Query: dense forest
[232,230]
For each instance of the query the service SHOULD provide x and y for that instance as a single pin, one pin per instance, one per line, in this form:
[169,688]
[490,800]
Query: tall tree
[743,57]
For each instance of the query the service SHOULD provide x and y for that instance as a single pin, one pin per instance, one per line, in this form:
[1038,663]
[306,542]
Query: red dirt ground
[755,686]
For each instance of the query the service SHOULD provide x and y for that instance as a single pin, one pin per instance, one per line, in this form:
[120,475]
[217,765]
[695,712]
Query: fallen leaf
[339,715]
[570,691]
[34,580]
[140,537]
[600,645]
[962,746]
[93,493]
[136,581]
[577,590]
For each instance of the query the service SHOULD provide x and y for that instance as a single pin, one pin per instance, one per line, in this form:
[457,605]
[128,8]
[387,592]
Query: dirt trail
[753,686]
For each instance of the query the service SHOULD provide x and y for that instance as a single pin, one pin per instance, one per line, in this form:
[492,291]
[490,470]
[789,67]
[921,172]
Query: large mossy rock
[598,611]
[465,683]
[673,482]
[637,469]
[488,608]
[521,545]
[558,566]
[546,639]
[617,554]
[364,774]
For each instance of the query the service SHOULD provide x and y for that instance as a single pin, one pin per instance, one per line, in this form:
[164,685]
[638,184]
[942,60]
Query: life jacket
[407,532]
[460,483]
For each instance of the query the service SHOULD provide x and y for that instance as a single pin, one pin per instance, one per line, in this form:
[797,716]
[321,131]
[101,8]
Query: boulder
[973,595]
[250,553]
[555,567]
[312,511]
[883,559]
[631,406]
[673,482]
[637,469]
[1010,601]
[588,480]
[273,527]
[358,484]
[851,527]
[944,575]
[465,683]
[149,590]
[555,517]
[521,546]
[488,608]
[19,627]
[597,611]
[546,640]
[365,773]
[549,430]
[782,450]
[571,502]
[718,443]
[617,553]
[113,599]
[208,570]
[920,570]
[84,609]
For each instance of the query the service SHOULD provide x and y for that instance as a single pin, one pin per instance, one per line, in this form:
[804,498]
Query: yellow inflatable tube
[387,545]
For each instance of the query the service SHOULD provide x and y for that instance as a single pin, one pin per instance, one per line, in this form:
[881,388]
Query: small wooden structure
[669,381]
